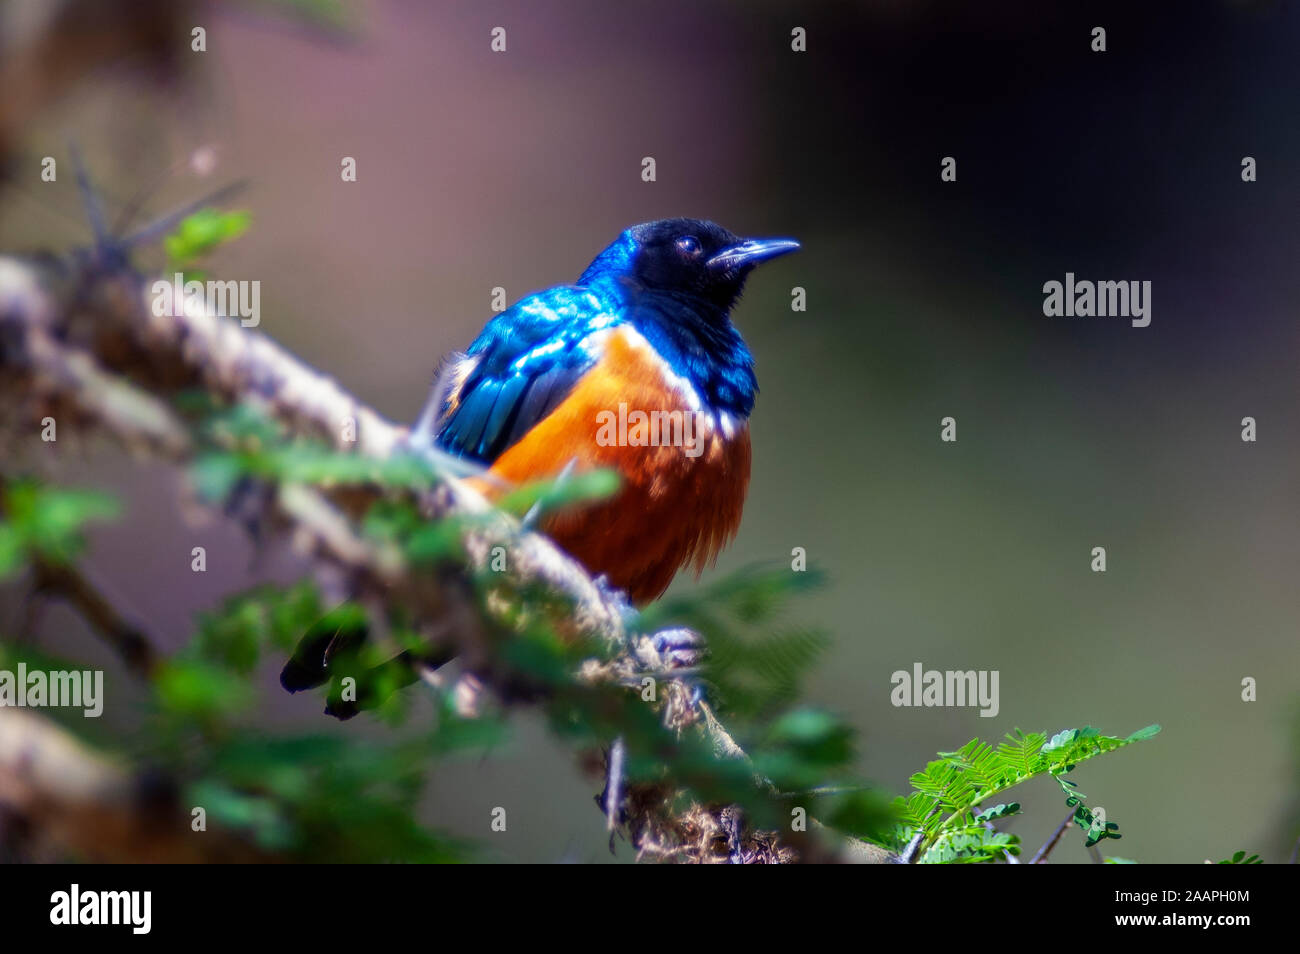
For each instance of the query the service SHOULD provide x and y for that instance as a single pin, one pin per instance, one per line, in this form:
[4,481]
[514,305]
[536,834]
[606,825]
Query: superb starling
[636,367]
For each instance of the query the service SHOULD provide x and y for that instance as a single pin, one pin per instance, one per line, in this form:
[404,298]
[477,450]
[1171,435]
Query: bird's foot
[680,653]
[680,648]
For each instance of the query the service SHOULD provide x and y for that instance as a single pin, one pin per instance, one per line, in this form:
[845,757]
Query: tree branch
[125,638]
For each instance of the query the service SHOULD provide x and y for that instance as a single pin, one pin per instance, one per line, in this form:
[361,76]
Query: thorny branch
[79,342]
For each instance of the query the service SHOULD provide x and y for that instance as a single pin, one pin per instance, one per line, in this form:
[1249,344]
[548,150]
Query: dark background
[924,300]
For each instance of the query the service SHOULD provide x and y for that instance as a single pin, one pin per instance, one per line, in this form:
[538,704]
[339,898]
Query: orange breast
[684,475]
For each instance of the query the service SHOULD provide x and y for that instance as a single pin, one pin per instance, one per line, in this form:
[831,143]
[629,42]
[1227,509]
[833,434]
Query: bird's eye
[689,246]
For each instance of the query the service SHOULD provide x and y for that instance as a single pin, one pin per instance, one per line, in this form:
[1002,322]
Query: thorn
[94,209]
[147,234]
[614,786]
[535,511]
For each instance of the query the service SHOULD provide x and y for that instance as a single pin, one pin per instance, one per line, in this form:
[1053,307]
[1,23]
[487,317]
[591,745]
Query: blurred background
[479,169]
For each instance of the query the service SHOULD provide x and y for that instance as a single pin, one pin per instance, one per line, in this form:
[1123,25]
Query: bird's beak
[749,253]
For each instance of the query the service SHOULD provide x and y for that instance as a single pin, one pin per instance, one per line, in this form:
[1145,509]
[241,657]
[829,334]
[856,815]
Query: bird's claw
[681,651]
[680,648]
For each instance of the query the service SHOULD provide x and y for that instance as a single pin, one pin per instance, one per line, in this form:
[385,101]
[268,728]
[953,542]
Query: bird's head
[688,256]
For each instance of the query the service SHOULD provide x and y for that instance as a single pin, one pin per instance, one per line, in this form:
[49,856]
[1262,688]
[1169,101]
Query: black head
[689,256]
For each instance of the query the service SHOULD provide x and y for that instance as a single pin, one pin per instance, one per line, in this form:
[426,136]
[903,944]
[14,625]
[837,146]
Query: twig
[910,854]
[127,640]
[1040,856]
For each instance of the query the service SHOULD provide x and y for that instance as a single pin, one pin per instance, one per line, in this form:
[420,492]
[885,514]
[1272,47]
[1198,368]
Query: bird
[636,367]
[574,377]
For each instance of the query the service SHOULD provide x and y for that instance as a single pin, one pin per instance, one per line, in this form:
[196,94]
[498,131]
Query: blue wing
[525,362]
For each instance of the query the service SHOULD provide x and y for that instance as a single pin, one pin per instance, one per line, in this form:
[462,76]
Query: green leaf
[199,690]
[48,521]
[435,541]
[234,635]
[583,487]
[998,811]
[264,817]
[948,792]
[11,551]
[1149,732]
[970,845]
[202,232]
[864,813]
[1240,858]
[215,475]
